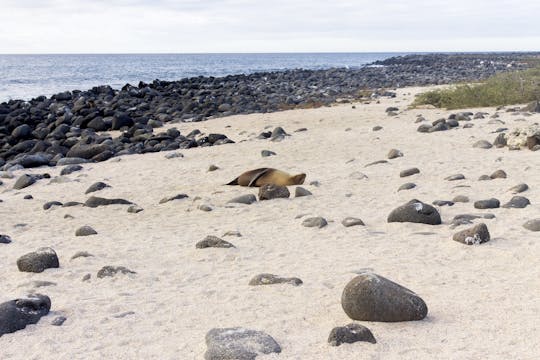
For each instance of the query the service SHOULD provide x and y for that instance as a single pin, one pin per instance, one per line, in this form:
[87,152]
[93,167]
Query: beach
[483,300]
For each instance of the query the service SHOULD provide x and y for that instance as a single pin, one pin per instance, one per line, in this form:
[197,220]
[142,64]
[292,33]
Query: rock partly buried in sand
[484,178]
[352,221]
[85,231]
[247,199]
[517,202]
[271,191]
[270,279]
[171,198]
[112,271]
[134,209]
[532,225]
[16,314]
[460,199]
[70,169]
[318,222]
[487,204]
[407,186]
[499,174]
[519,188]
[278,134]
[443,203]
[415,211]
[72,203]
[394,153]
[213,241]
[500,141]
[482,144]
[213,168]
[94,201]
[5,239]
[96,187]
[371,297]
[455,177]
[58,321]
[300,191]
[476,235]
[50,204]
[267,153]
[25,180]
[409,172]
[38,261]
[238,343]
[376,163]
[350,334]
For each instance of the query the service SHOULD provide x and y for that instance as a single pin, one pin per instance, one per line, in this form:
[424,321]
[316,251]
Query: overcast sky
[190,26]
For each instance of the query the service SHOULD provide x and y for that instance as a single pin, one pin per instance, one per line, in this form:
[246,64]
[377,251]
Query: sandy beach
[483,301]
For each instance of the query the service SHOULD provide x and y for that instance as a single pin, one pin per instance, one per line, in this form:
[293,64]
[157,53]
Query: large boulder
[16,314]
[371,297]
[38,261]
[415,211]
[476,235]
[87,151]
[238,343]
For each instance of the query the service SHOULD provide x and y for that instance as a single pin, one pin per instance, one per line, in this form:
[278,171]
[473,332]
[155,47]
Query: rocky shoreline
[67,127]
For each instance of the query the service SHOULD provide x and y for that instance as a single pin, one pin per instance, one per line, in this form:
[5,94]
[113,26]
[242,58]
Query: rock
[96,187]
[533,107]
[85,231]
[171,198]
[71,161]
[482,144]
[58,321]
[351,221]
[409,172]
[517,202]
[424,128]
[213,168]
[532,225]
[499,174]
[394,153]
[278,134]
[86,151]
[112,271]
[232,233]
[72,203]
[174,155]
[16,314]
[476,235]
[50,204]
[484,178]
[5,239]
[134,209]
[376,163]
[94,201]
[415,211]
[377,128]
[318,222]
[461,199]
[300,191]
[266,153]
[238,343]
[25,181]
[519,188]
[407,186]
[22,132]
[70,169]
[443,203]
[500,141]
[244,199]
[204,207]
[38,261]
[28,197]
[272,191]
[371,297]
[455,177]
[349,334]
[79,254]
[269,279]
[213,241]
[487,204]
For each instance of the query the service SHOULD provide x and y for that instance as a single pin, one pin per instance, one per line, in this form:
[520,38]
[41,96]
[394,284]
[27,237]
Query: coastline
[180,292]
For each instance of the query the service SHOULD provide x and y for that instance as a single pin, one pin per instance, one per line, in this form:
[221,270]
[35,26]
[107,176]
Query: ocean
[28,76]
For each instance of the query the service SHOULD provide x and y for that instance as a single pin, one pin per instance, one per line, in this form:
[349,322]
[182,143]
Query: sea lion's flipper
[234,182]
[256,176]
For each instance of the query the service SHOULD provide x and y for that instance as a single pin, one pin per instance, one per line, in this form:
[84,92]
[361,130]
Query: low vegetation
[502,89]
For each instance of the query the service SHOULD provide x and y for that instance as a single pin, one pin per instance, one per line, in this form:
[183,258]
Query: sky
[190,26]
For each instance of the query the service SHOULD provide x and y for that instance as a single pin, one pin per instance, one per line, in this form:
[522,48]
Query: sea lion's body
[263,176]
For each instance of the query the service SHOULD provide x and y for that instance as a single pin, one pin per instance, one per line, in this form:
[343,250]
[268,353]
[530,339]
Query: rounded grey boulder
[213,241]
[16,314]
[409,172]
[271,279]
[238,343]
[318,222]
[517,202]
[415,211]
[476,235]
[37,261]
[487,204]
[85,231]
[371,297]
[349,334]
[272,191]
[532,225]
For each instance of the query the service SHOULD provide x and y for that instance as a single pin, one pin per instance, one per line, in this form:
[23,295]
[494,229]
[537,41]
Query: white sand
[484,301]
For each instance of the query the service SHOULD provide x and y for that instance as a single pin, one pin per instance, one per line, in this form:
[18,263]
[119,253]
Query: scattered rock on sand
[517,202]
[113,270]
[238,343]
[377,128]
[532,225]
[58,321]
[499,174]
[5,239]
[50,204]
[519,188]
[349,334]
[213,168]
[484,178]
[16,314]
[272,191]
[455,177]
[174,155]
[134,209]
[487,204]
[476,235]
[266,153]
[85,231]
[38,261]
[79,254]
[351,221]
[461,199]
[94,201]
[415,211]
[70,169]
[500,141]
[25,180]
[171,198]
[247,199]
[300,191]
[371,297]
[407,186]
[213,241]
[96,187]
[394,153]
[482,144]
[205,207]
[270,279]
[443,203]
[409,172]
[318,222]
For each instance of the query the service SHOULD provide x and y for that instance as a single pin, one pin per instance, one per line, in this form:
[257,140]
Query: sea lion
[263,176]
